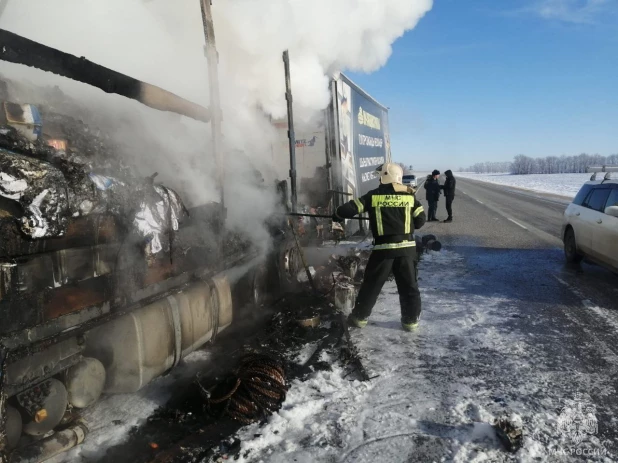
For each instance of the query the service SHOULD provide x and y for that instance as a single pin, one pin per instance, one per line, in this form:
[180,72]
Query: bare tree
[524,165]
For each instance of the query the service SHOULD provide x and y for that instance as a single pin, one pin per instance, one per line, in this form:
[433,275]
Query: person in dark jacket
[449,194]
[394,214]
[432,187]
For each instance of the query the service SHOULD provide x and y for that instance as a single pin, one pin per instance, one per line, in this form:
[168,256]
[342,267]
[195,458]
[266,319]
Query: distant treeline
[523,165]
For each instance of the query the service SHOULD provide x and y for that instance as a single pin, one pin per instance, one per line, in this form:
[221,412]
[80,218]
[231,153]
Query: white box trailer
[337,158]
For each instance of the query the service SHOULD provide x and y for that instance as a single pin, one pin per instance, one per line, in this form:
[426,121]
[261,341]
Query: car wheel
[570,248]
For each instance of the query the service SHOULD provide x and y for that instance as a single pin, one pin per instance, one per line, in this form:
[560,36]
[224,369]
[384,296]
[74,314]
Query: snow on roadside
[112,418]
[566,185]
[434,392]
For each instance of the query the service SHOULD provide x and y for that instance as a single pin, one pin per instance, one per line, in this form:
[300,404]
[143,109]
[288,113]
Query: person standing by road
[449,194]
[394,214]
[432,187]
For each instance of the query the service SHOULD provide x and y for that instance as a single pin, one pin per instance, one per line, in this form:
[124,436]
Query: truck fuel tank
[147,342]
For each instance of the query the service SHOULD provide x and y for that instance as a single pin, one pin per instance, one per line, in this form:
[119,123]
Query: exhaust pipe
[51,446]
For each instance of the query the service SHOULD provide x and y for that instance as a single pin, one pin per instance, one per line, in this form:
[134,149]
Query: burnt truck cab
[106,279]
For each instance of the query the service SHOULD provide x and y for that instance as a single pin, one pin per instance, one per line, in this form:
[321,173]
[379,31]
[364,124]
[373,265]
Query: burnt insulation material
[56,168]
[41,191]
[48,200]
[50,193]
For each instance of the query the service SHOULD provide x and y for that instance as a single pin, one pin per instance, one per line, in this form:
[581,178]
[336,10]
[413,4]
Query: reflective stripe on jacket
[394,214]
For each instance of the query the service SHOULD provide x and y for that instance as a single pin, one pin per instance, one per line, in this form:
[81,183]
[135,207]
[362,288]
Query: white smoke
[161,42]
[323,36]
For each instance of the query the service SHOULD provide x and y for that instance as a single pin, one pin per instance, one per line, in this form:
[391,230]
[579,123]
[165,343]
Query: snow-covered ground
[434,392]
[566,185]
[114,416]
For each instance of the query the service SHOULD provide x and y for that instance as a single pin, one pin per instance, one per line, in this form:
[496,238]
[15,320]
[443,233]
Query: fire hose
[321,216]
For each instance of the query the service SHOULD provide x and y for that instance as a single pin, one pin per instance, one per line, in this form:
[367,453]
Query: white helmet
[390,173]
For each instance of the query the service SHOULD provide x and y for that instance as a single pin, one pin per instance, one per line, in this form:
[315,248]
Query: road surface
[507,330]
[561,322]
[492,216]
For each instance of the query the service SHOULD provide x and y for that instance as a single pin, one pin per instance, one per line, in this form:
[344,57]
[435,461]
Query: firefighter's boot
[356,322]
[409,326]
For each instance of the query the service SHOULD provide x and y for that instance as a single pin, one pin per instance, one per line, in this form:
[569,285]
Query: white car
[590,228]
[409,180]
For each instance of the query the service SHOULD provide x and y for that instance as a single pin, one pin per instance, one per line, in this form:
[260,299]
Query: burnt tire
[571,251]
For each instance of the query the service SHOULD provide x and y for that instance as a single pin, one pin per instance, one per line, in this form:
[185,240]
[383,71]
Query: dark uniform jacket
[449,184]
[394,214]
[433,189]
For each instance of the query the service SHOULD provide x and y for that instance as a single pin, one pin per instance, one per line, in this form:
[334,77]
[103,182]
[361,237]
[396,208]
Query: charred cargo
[107,279]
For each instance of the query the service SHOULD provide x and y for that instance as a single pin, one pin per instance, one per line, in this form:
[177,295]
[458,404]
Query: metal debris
[509,433]
[309,320]
[430,243]
[256,390]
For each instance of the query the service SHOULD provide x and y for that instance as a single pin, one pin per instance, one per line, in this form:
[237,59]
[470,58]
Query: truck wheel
[570,248]
[259,287]
[290,265]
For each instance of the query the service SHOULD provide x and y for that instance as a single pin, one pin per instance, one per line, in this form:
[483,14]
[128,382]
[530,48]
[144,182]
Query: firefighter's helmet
[390,173]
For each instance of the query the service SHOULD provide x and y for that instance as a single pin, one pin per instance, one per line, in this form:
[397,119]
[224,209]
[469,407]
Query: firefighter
[433,194]
[394,214]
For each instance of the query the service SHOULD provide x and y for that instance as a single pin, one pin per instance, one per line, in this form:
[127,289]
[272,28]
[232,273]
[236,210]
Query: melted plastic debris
[40,190]
[157,215]
[101,181]
[77,173]
[11,187]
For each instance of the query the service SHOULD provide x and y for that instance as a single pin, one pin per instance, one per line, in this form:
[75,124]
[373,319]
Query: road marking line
[553,240]
[480,202]
[528,193]
[517,223]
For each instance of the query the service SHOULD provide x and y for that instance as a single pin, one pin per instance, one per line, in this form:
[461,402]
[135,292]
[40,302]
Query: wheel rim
[257,291]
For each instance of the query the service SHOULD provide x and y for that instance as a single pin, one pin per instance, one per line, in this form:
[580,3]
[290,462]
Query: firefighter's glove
[338,219]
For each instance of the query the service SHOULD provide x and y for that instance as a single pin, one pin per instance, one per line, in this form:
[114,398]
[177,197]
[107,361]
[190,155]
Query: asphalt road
[491,216]
[539,215]
[568,315]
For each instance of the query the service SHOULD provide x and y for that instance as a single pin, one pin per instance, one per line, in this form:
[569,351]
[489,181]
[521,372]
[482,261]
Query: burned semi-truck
[336,158]
[107,279]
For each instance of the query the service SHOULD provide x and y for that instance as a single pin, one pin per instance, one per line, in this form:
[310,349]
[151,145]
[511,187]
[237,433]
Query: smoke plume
[161,42]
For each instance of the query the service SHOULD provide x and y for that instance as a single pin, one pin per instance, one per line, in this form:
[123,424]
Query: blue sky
[483,80]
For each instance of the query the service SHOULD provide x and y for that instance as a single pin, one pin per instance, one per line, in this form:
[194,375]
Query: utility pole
[216,118]
[291,136]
